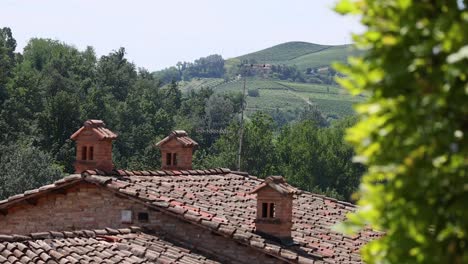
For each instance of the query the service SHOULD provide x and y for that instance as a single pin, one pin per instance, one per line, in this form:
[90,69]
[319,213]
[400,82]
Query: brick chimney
[274,208]
[176,151]
[93,147]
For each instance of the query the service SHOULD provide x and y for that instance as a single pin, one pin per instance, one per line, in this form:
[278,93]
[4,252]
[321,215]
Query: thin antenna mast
[241,131]
[264,67]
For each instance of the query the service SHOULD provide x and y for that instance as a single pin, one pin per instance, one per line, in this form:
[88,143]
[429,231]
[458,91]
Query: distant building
[173,215]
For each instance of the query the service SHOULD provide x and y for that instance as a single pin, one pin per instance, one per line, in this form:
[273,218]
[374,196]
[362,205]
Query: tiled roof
[181,136]
[276,183]
[95,246]
[222,201]
[98,127]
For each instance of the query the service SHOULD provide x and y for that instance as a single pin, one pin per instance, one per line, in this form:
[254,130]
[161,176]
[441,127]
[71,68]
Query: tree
[258,142]
[25,168]
[317,160]
[312,113]
[253,92]
[141,120]
[413,129]
[19,112]
[172,98]
[116,74]
[219,112]
[57,122]
[7,60]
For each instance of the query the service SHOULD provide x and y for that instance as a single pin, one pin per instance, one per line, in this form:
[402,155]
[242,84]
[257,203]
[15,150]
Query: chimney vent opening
[268,210]
[274,208]
[84,153]
[177,151]
[91,153]
[168,159]
[93,147]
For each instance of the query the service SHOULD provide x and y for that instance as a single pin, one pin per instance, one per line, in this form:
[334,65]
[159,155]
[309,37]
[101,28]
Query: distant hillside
[333,101]
[301,54]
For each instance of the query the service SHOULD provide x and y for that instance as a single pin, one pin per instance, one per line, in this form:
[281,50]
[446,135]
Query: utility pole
[241,131]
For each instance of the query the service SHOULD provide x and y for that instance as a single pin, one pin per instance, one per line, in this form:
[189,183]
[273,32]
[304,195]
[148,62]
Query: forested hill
[302,54]
[294,61]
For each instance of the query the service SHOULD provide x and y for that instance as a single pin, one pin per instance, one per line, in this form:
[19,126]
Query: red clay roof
[127,245]
[98,127]
[181,136]
[278,184]
[222,201]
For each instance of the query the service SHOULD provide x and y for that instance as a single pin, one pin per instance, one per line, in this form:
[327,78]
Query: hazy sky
[157,34]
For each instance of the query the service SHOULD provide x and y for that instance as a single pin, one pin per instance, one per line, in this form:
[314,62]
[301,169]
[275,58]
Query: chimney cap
[179,135]
[98,127]
[94,123]
[277,183]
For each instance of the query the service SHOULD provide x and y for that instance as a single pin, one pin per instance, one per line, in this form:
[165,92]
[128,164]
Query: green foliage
[284,72]
[232,67]
[219,112]
[257,141]
[211,66]
[223,153]
[25,168]
[310,157]
[258,151]
[301,54]
[283,52]
[317,159]
[333,102]
[253,93]
[7,60]
[116,74]
[312,114]
[54,87]
[324,57]
[413,129]
[196,84]
[168,75]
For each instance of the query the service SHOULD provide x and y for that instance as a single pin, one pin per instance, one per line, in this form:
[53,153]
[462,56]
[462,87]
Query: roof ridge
[70,179]
[324,197]
[181,136]
[69,234]
[121,172]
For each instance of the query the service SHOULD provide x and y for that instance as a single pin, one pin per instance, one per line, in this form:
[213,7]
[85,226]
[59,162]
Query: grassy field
[281,53]
[308,87]
[251,84]
[198,83]
[301,54]
[331,100]
[323,58]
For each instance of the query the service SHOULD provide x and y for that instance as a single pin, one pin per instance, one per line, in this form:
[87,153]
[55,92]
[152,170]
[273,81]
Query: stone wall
[184,156]
[87,206]
[281,223]
[83,206]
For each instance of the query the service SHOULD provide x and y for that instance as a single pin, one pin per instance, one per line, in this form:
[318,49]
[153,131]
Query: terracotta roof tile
[226,196]
[98,127]
[223,203]
[277,183]
[94,246]
[181,136]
